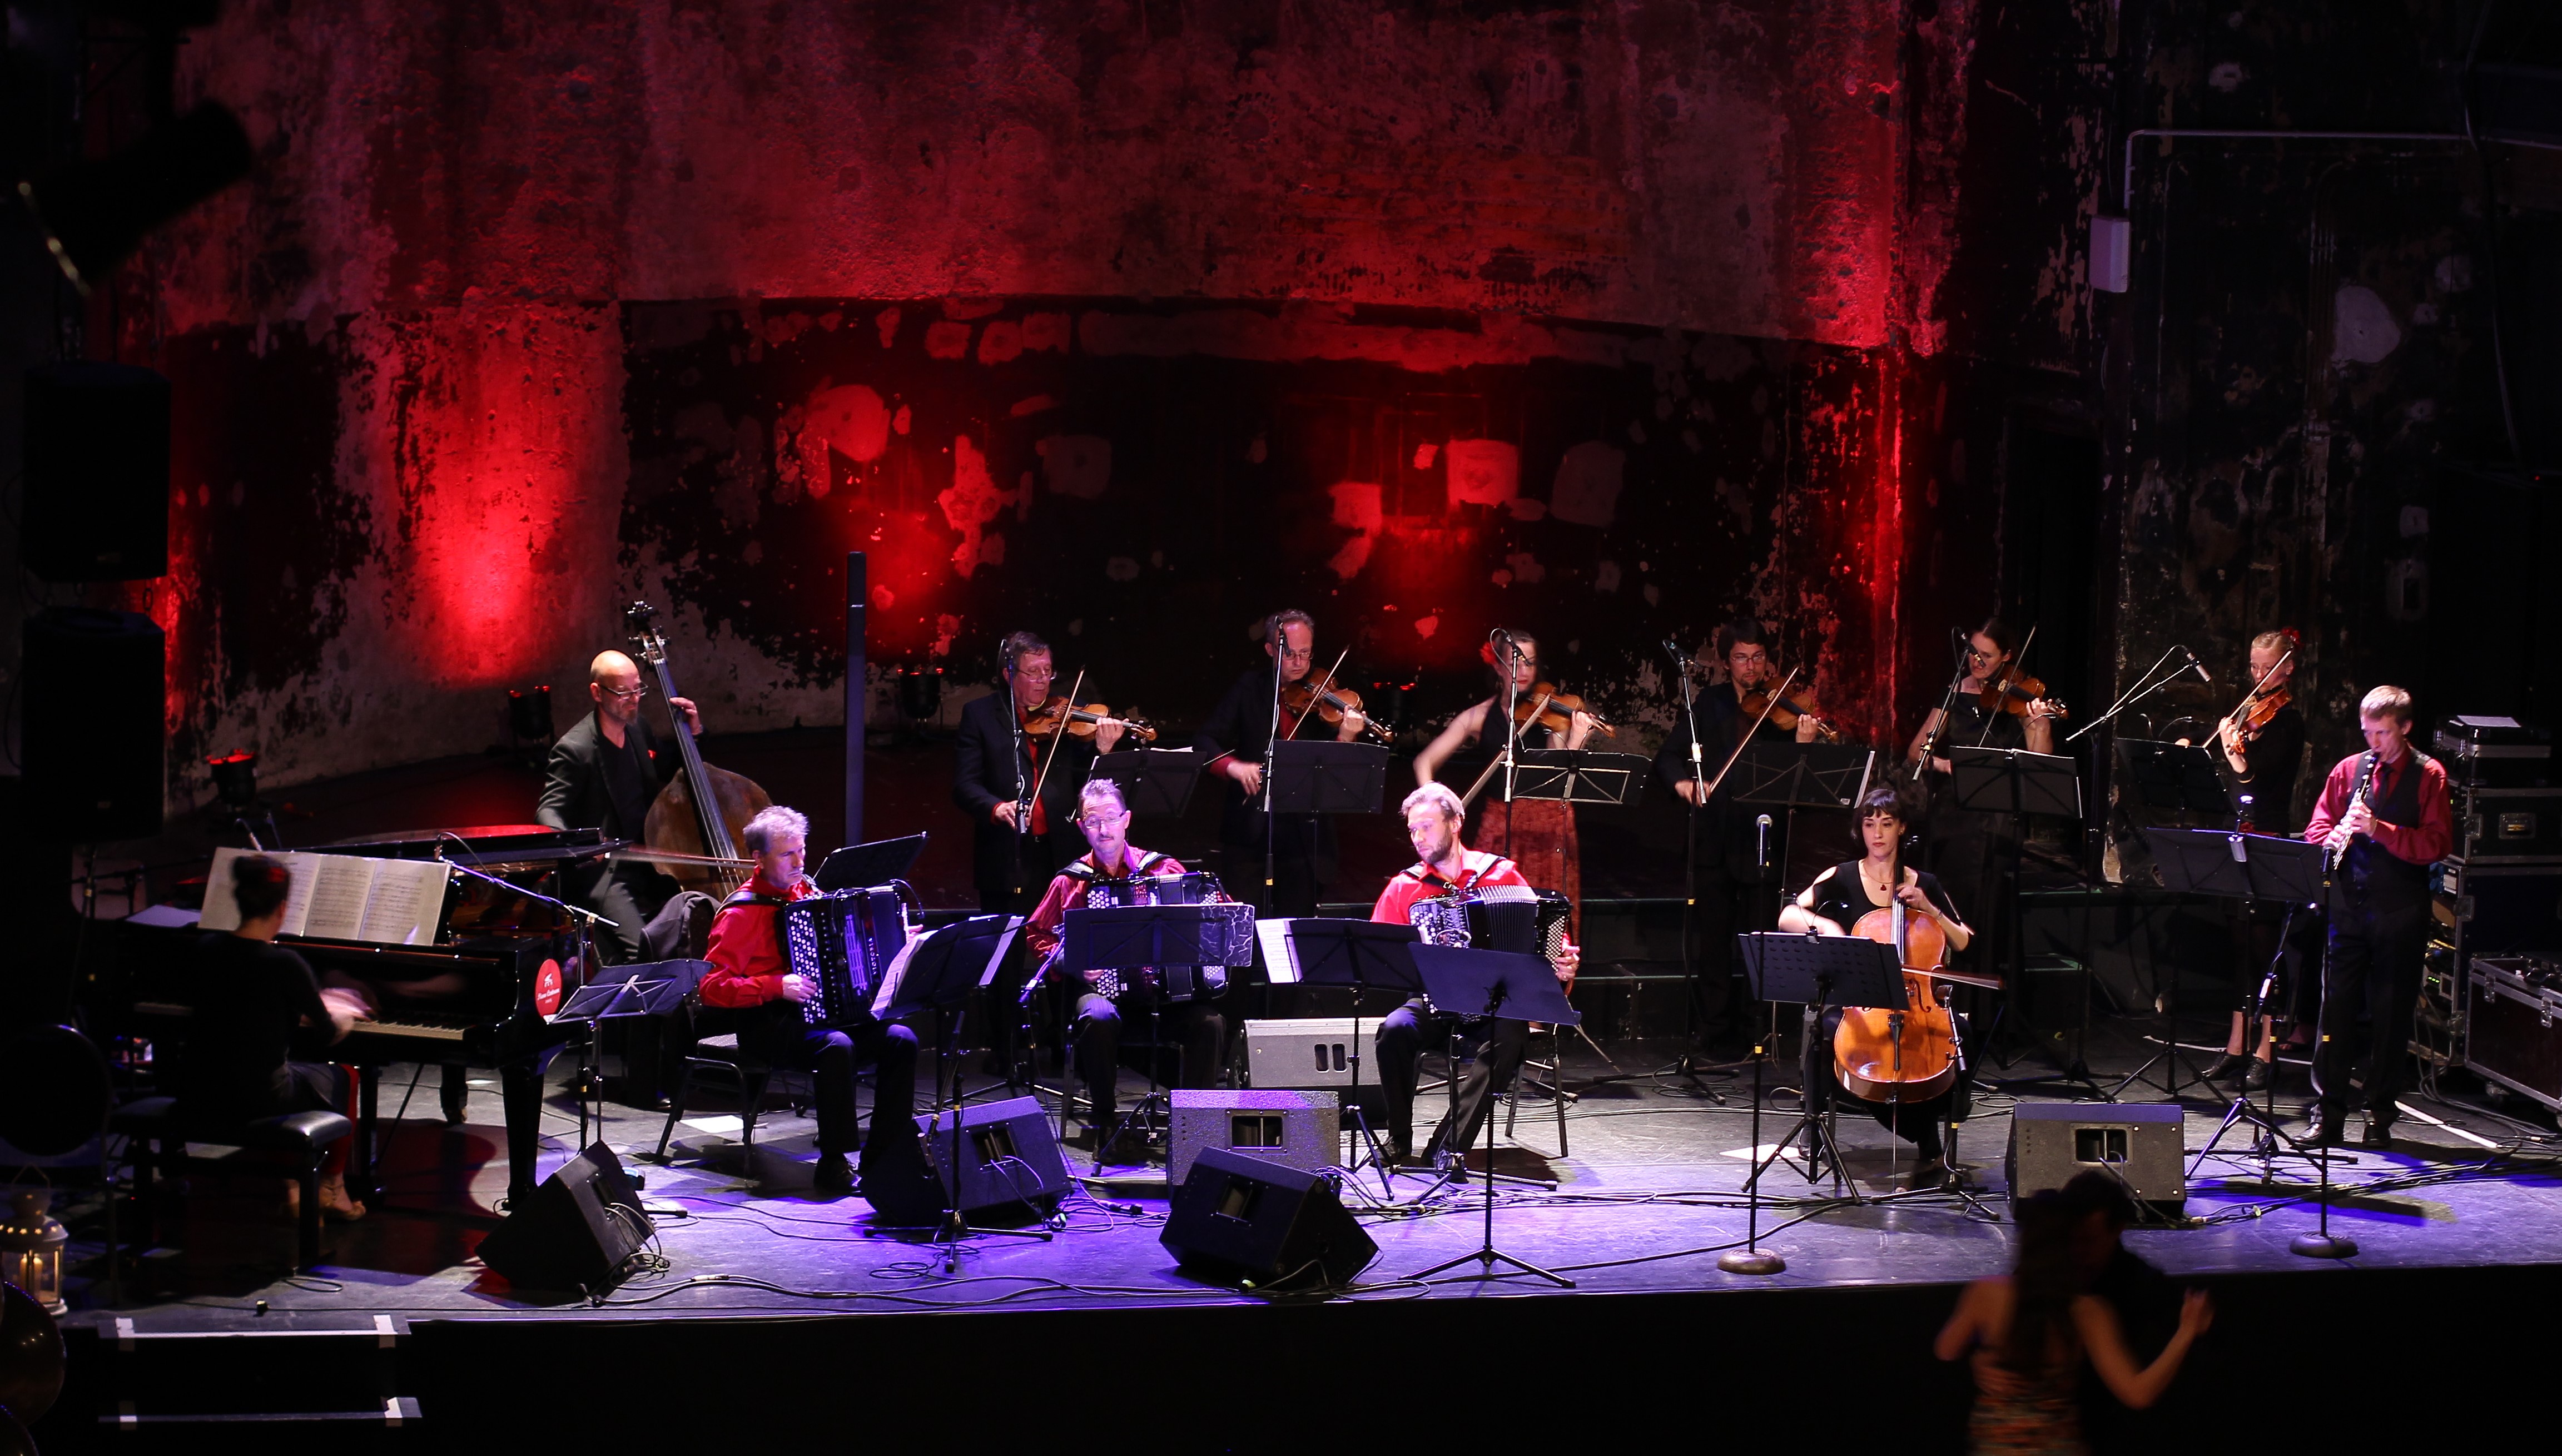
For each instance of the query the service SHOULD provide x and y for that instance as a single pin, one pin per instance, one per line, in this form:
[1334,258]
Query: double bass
[1909,1055]
[694,825]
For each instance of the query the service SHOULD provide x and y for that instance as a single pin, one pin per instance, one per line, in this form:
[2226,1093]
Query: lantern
[31,1251]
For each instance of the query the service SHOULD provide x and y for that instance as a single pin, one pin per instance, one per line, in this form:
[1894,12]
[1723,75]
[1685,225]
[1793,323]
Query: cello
[694,824]
[1910,1056]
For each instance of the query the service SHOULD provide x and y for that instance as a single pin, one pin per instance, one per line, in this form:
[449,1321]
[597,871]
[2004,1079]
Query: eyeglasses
[624,693]
[1102,821]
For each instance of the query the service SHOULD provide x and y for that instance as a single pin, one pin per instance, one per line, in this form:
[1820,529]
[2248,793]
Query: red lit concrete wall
[408,469]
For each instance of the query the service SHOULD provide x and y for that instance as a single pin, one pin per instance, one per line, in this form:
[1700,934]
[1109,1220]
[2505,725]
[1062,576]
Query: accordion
[1496,918]
[1175,982]
[840,945]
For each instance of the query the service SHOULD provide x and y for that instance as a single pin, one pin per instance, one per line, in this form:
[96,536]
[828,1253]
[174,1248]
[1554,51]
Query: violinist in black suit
[996,767]
[1235,740]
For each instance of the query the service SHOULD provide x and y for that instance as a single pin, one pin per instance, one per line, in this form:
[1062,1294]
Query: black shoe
[2257,1078]
[2327,1131]
[834,1175]
[2378,1133]
[2230,1064]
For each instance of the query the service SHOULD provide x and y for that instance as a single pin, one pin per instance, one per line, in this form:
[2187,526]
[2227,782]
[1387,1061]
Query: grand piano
[482,995]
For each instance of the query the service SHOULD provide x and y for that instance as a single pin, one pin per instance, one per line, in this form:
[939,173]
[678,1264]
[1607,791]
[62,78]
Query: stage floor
[1652,1193]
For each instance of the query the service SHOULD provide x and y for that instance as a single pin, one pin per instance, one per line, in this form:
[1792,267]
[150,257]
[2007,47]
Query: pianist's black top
[250,997]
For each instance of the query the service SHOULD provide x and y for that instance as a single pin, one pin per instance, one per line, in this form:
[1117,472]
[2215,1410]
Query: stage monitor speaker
[96,497]
[1242,1219]
[1309,1051]
[2138,1142]
[91,731]
[1300,1129]
[576,1231]
[1011,1171]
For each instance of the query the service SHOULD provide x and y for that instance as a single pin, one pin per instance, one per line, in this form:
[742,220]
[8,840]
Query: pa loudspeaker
[1240,1219]
[96,497]
[91,731]
[1296,1129]
[577,1231]
[1009,1169]
[2138,1142]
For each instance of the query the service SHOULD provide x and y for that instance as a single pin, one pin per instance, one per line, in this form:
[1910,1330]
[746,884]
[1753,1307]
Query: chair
[299,1138]
[722,1055]
[1552,1081]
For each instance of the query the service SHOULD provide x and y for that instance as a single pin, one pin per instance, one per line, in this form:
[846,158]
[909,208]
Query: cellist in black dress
[1833,905]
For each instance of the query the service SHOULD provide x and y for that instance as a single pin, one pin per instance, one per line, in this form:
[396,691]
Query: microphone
[2202,675]
[1761,842]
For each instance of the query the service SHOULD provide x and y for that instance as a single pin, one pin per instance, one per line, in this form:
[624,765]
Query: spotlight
[236,780]
[95,214]
[920,691]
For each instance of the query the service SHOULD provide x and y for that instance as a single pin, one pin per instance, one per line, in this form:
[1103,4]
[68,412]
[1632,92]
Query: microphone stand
[2146,687]
[1690,860]
[1272,735]
[1948,704]
[581,920]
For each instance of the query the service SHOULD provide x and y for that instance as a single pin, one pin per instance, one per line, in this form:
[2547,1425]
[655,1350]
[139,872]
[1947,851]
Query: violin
[1784,714]
[2257,706]
[1545,707]
[1319,692]
[1046,720]
[2015,693]
[1909,1055]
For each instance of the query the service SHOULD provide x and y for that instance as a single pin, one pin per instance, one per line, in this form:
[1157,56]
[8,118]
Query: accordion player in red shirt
[752,991]
[1446,867]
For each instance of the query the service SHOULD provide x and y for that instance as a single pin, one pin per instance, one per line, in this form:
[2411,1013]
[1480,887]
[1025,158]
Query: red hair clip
[1486,652]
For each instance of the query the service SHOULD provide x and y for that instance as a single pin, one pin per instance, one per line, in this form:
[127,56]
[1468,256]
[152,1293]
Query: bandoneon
[1496,918]
[1175,982]
[841,944]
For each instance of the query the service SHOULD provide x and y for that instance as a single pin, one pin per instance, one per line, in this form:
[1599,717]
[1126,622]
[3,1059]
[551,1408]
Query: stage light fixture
[95,214]
[529,714]
[236,780]
[920,691]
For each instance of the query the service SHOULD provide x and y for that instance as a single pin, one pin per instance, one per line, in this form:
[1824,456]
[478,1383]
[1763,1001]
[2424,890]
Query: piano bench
[154,1123]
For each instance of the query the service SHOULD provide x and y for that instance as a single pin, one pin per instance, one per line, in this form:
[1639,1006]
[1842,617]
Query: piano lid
[482,844]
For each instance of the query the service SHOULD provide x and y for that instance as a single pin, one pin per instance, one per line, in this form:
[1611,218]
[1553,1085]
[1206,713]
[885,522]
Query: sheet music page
[339,885]
[297,898]
[894,978]
[222,912]
[405,902]
[1280,954]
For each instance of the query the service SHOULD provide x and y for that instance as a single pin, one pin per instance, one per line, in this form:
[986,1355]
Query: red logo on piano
[547,987]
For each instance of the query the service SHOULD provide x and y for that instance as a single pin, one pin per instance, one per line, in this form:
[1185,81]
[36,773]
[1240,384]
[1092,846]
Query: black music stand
[1325,777]
[1153,781]
[1361,954]
[1578,776]
[1821,973]
[2173,778]
[947,964]
[655,989]
[1131,938]
[1515,987]
[861,866]
[2247,867]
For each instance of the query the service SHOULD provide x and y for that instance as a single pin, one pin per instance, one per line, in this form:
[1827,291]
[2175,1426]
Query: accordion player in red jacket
[751,989]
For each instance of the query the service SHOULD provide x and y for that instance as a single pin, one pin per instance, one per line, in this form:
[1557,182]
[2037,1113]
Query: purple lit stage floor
[1652,1193]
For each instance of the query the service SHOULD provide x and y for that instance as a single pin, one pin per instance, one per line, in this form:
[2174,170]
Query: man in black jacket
[1234,742]
[992,777]
[604,773]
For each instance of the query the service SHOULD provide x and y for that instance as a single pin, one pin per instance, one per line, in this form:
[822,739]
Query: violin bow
[1296,723]
[1745,736]
[1056,733]
[2252,695]
[1512,740]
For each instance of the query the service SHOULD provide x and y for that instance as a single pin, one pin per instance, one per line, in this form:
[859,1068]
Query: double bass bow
[694,824]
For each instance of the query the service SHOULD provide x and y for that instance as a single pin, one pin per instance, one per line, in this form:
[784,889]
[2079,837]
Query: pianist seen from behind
[257,1003]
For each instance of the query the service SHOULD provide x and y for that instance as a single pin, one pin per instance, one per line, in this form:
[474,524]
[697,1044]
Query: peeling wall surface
[1124,321]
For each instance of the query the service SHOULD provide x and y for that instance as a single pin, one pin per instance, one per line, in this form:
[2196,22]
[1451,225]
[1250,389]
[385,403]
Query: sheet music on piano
[395,902]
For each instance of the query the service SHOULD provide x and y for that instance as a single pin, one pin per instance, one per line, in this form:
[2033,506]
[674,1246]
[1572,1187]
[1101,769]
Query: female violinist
[1537,835]
[1989,706]
[1234,741]
[2261,742]
[1835,903]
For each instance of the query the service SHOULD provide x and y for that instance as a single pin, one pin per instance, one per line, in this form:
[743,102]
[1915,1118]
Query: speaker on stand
[91,733]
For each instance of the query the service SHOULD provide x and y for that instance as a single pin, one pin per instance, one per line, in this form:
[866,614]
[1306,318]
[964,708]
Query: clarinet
[2357,795]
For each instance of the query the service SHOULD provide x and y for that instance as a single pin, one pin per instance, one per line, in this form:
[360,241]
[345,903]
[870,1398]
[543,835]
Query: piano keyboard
[425,1030]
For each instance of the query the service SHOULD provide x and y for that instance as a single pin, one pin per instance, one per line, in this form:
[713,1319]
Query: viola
[1046,720]
[1909,1055]
[1786,711]
[1545,707]
[696,821]
[1321,694]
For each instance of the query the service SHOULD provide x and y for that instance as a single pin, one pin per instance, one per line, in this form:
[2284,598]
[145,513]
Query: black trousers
[1721,1006]
[2378,935]
[1196,1027]
[1401,1051]
[777,1032]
